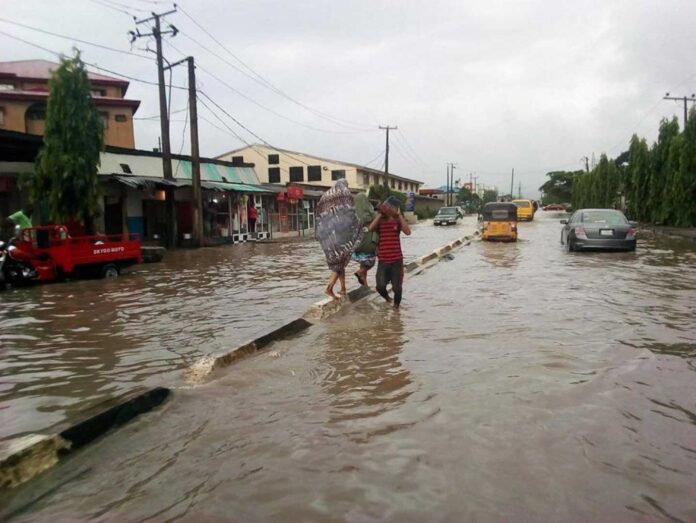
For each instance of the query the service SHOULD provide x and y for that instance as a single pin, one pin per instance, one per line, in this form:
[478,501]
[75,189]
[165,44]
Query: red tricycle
[48,253]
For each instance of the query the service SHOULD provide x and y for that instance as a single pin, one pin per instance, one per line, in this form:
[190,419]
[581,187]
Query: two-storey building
[281,166]
[24,95]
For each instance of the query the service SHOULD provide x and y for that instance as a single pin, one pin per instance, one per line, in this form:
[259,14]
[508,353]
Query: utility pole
[449,200]
[475,184]
[447,181]
[195,154]
[519,191]
[386,153]
[164,117]
[512,184]
[685,99]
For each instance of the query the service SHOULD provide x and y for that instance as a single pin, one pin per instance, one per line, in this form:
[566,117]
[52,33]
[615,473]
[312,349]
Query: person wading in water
[390,223]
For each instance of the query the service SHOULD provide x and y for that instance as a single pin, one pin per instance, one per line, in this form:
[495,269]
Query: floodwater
[517,383]
[65,347]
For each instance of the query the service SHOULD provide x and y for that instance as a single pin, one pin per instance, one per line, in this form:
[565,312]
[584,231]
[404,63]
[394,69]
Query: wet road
[65,347]
[518,383]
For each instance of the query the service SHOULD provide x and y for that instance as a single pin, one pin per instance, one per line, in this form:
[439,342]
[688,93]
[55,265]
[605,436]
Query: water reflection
[498,254]
[366,377]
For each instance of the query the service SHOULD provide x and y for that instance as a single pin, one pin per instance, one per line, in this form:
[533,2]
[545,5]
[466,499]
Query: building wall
[356,178]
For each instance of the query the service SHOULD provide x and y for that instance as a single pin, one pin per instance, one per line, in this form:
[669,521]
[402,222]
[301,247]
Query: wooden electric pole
[164,116]
[386,153]
[512,185]
[685,99]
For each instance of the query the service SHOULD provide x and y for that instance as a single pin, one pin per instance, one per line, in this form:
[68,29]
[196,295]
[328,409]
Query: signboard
[410,202]
[295,193]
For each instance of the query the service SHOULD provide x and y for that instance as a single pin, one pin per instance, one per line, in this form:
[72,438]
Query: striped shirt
[389,249]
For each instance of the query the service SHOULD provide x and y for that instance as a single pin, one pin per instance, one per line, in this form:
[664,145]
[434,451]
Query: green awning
[239,187]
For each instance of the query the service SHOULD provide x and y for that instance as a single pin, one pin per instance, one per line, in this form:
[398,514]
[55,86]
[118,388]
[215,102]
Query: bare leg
[332,282]
[342,279]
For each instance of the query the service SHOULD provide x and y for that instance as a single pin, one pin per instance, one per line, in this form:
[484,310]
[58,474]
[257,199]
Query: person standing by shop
[390,223]
[252,215]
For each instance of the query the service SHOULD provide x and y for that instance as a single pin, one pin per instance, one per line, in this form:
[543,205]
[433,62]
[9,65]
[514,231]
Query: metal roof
[43,69]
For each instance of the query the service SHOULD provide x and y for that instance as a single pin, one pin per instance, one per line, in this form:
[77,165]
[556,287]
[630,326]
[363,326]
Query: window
[6,87]
[297,174]
[105,119]
[393,185]
[126,168]
[2,116]
[338,174]
[36,112]
[366,179]
[98,92]
[273,159]
[238,159]
[274,175]
[121,118]
[314,173]
[401,186]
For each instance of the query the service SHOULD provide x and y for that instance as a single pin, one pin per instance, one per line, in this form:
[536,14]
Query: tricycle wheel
[110,271]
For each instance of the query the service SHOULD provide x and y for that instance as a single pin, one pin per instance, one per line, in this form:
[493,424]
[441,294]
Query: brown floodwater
[65,347]
[517,383]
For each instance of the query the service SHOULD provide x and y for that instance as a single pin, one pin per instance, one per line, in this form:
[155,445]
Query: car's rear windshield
[447,210]
[603,217]
[522,204]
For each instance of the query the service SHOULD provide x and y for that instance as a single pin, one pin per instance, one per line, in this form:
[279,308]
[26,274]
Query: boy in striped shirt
[389,223]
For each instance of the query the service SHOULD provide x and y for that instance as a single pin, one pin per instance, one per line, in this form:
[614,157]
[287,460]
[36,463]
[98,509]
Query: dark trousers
[392,272]
[252,225]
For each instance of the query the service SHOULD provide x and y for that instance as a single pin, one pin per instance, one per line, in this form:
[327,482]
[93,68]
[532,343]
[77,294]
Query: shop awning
[145,182]
[238,187]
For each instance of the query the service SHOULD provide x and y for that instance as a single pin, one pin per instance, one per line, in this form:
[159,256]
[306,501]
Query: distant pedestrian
[365,253]
[252,215]
[338,230]
[390,223]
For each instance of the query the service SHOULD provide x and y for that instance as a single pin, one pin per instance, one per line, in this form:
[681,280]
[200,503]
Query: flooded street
[518,383]
[65,347]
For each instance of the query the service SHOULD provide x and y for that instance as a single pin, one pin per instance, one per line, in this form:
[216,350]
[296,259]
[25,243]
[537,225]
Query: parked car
[525,210]
[447,216]
[554,207]
[598,229]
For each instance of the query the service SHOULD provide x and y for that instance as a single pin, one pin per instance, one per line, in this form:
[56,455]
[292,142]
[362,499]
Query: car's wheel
[110,271]
[569,245]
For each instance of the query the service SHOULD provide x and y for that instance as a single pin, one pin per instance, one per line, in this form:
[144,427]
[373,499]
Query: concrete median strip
[24,457]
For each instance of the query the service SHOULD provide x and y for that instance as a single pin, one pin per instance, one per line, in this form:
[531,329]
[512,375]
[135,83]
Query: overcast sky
[489,85]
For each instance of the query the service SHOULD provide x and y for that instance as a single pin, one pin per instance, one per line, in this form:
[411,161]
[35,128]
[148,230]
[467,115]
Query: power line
[260,79]
[73,39]
[95,66]
[258,104]
[104,4]
[381,153]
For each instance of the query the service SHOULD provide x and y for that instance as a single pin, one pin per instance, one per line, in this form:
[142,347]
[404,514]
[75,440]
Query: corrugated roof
[42,69]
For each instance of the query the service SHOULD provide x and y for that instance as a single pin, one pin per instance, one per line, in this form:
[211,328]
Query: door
[113,215]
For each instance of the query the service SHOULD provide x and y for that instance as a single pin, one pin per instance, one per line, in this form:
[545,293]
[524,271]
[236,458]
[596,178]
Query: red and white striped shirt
[389,247]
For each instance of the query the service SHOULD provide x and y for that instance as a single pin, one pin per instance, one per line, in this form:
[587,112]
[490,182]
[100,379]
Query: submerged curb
[27,456]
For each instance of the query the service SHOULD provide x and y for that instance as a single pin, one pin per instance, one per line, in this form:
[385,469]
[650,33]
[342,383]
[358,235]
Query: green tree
[559,187]
[657,209]
[489,195]
[464,195]
[66,179]
[382,192]
[684,183]
[637,178]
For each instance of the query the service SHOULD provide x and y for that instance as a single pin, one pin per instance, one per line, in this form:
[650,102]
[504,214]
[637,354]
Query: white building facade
[280,166]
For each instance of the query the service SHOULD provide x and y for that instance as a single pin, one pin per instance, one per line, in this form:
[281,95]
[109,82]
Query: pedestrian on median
[338,231]
[365,253]
[251,216]
[390,223]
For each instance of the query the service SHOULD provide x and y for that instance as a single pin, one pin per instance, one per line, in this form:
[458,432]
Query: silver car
[598,229]
[447,216]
